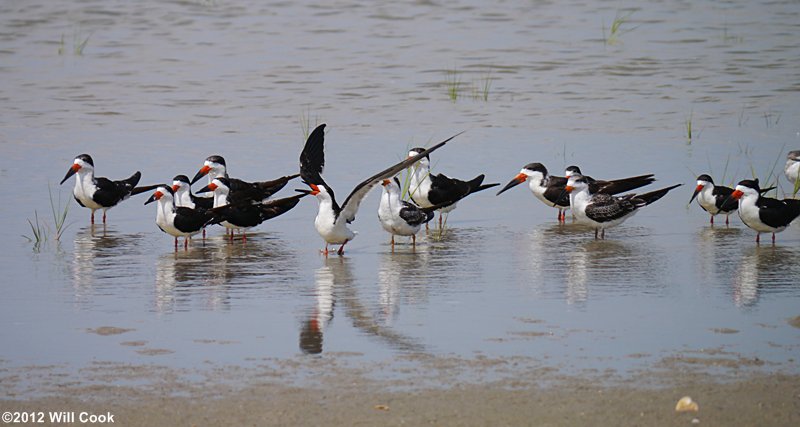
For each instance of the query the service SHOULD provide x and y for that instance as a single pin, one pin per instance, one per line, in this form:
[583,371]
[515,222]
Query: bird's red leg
[104,217]
[773,238]
[186,243]
[712,219]
[176,244]
[758,238]
[204,234]
[340,252]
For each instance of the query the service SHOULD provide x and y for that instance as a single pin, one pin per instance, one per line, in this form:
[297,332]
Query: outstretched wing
[350,205]
[312,158]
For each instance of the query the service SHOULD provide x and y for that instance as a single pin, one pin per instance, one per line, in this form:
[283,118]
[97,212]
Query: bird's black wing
[109,192]
[778,213]
[445,189]
[723,200]
[605,208]
[413,215]
[190,220]
[278,207]
[622,185]
[312,158]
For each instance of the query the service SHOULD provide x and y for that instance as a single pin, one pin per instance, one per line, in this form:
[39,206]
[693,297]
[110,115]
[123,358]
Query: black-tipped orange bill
[157,195]
[386,182]
[175,187]
[519,179]
[74,168]
[314,189]
[569,188]
[737,194]
[201,173]
[696,192]
[207,188]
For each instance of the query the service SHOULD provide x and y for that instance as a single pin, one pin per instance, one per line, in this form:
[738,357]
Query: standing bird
[245,213]
[179,221]
[398,216]
[332,219]
[792,169]
[184,197]
[714,199]
[764,214]
[96,192]
[601,211]
[427,190]
[550,189]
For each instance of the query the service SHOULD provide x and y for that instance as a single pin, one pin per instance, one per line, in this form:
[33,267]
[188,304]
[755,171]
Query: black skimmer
[398,216]
[96,192]
[179,221]
[182,188]
[601,210]
[714,199]
[428,190]
[214,167]
[245,213]
[792,169]
[550,189]
[332,219]
[764,214]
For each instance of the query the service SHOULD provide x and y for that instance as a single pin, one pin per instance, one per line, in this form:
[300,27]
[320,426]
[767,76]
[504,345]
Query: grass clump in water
[453,83]
[78,44]
[305,122]
[40,231]
[616,30]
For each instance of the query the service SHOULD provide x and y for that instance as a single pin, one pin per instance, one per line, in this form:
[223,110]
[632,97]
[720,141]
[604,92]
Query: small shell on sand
[686,404]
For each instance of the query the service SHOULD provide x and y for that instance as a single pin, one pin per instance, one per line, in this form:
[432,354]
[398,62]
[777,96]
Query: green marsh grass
[689,128]
[453,84]
[305,122]
[482,87]
[40,230]
[616,30]
[78,44]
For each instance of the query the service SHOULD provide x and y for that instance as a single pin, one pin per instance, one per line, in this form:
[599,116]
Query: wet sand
[337,393]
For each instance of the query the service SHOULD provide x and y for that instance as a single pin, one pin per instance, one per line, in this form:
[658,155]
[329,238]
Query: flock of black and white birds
[240,205]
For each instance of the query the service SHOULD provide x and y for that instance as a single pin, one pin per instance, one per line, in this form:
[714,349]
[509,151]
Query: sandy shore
[436,391]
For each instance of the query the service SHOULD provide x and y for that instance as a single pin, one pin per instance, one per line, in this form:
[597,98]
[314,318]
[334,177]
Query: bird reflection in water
[403,275]
[612,266]
[717,250]
[764,269]
[208,273]
[334,284]
[103,259]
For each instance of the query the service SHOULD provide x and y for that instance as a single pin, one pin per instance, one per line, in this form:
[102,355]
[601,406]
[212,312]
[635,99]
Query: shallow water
[159,86]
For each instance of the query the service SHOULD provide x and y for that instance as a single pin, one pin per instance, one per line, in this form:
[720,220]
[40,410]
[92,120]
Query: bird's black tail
[652,196]
[278,207]
[618,186]
[476,184]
